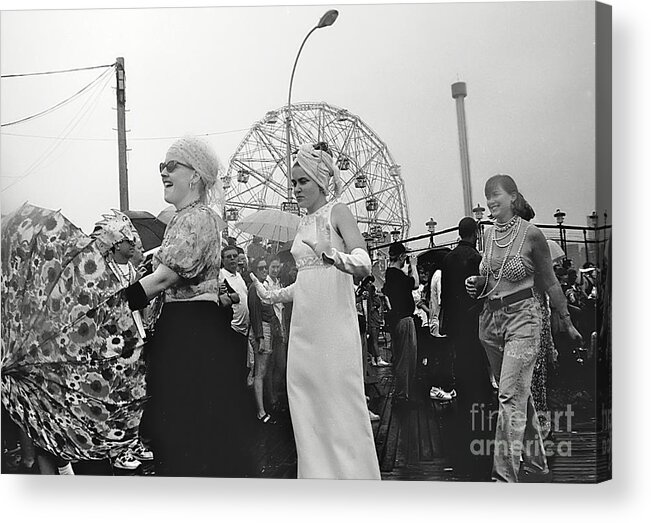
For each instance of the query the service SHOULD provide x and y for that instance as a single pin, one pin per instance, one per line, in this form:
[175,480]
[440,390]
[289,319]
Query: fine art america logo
[484,421]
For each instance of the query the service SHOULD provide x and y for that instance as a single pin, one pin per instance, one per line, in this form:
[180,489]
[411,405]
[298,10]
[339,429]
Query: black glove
[136,297]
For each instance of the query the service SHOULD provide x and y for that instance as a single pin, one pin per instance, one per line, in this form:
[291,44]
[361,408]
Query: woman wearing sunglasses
[192,372]
[325,384]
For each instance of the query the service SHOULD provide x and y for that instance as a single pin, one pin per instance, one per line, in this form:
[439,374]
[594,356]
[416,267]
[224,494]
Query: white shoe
[439,394]
[126,461]
[453,393]
[373,416]
[381,363]
[140,452]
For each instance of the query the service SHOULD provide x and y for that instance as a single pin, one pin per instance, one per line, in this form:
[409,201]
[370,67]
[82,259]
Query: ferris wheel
[373,187]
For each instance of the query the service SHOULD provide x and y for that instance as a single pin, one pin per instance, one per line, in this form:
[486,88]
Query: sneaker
[140,452]
[126,461]
[373,416]
[439,394]
[381,363]
[453,394]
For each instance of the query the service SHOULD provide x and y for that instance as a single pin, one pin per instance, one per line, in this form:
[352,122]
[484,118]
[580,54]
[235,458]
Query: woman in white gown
[325,383]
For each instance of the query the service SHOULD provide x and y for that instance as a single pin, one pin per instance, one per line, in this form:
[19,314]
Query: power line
[60,104]
[89,105]
[56,72]
[131,138]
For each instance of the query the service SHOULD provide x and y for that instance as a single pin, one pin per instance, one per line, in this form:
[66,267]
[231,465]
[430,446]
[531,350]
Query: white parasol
[271,224]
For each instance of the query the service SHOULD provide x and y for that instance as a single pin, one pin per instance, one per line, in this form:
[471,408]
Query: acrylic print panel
[416,116]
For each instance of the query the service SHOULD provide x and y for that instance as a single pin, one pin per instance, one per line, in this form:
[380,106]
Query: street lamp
[479,214]
[326,20]
[431,228]
[592,221]
[560,218]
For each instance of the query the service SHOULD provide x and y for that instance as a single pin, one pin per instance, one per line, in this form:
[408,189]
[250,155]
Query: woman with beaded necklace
[510,324]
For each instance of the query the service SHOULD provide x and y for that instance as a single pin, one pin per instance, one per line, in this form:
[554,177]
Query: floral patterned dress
[72,374]
[546,358]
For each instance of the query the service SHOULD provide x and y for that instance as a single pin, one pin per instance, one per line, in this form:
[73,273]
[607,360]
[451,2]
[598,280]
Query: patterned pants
[511,337]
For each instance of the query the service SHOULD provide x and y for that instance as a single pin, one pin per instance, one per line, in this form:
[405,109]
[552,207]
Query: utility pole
[122,133]
[459,92]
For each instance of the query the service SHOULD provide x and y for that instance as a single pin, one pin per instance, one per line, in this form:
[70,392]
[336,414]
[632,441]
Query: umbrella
[168,213]
[72,374]
[272,224]
[150,228]
[555,250]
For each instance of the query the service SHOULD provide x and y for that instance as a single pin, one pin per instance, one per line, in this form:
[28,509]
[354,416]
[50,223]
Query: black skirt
[197,388]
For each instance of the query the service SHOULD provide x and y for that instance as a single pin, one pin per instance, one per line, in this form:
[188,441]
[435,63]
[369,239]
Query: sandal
[267,420]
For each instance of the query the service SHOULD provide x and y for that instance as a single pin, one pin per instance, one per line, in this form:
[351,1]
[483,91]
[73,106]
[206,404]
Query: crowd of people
[223,328]
[480,329]
[220,326]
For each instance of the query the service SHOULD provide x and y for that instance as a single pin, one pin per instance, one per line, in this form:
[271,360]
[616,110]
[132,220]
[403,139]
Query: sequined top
[516,267]
[191,248]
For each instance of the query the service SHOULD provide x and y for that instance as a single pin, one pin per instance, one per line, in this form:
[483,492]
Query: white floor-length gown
[325,381]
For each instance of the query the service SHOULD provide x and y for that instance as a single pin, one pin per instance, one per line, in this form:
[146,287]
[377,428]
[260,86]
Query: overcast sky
[529,68]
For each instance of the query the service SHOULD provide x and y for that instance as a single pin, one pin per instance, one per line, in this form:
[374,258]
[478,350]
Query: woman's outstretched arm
[284,295]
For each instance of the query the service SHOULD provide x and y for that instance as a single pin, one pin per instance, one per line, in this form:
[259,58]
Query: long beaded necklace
[511,228]
[514,226]
[503,227]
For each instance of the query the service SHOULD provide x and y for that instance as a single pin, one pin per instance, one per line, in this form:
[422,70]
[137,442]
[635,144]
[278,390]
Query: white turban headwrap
[202,158]
[320,167]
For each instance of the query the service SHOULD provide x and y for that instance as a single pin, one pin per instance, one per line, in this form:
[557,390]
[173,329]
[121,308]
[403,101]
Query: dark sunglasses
[262,267]
[172,165]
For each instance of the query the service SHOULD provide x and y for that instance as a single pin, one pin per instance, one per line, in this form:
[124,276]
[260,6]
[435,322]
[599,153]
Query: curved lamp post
[326,20]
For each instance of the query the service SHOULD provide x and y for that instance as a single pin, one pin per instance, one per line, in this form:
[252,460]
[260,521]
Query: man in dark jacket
[398,288]
[460,322]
